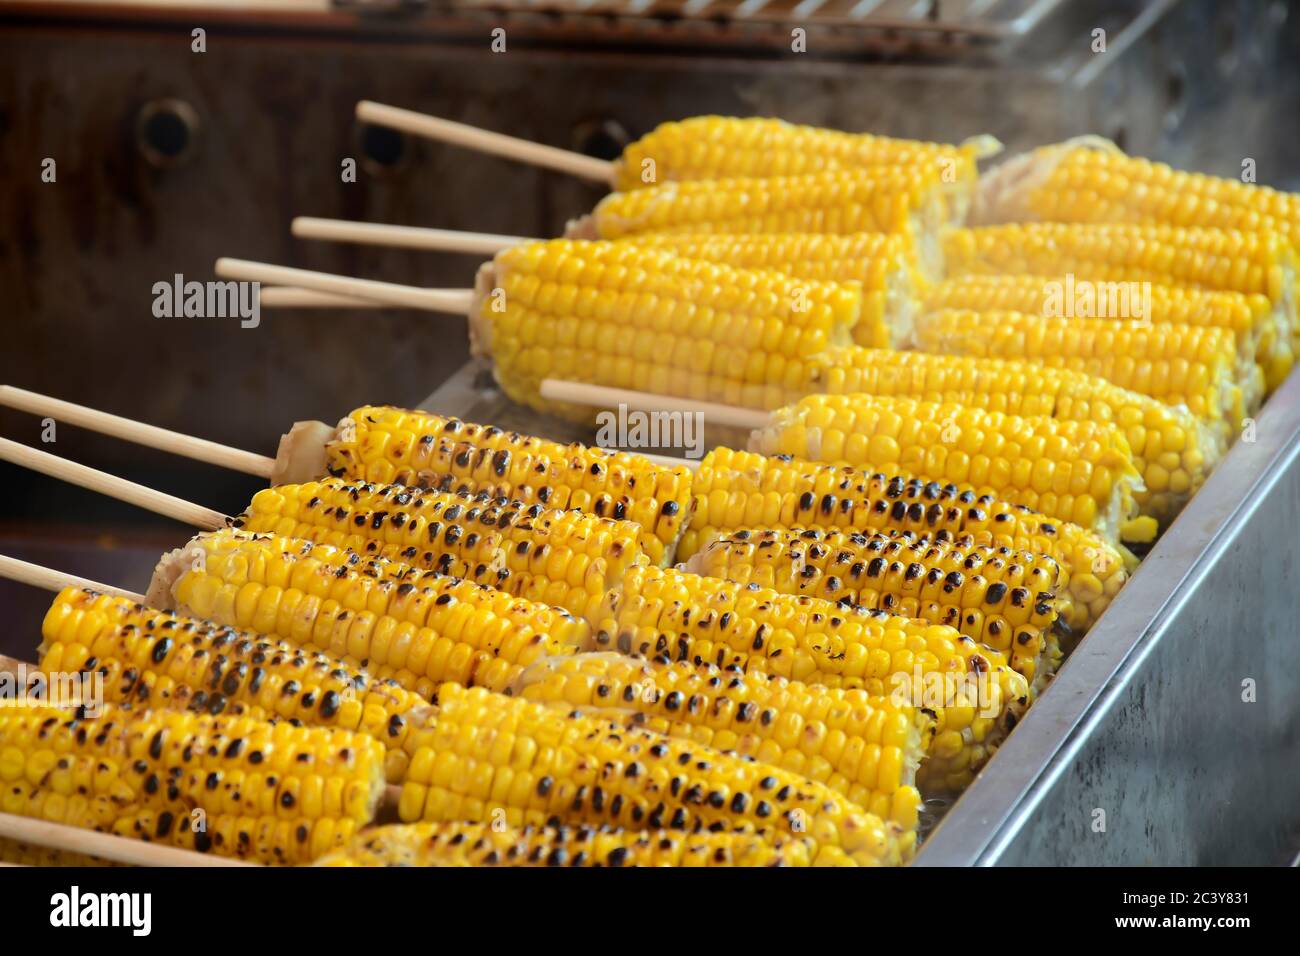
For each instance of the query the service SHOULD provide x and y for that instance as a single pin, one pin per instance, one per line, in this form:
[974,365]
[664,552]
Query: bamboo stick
[137,432]
[485,141]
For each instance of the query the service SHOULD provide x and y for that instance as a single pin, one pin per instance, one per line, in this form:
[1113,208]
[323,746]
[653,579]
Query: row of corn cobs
[859,621]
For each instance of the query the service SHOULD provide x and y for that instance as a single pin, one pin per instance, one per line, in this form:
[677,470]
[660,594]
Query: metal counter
[1143,751]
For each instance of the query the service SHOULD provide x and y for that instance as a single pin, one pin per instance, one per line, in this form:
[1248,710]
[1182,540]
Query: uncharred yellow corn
[232,786]
[1002,598]
[620,315]
[388,445]
[1187,365]
[1081,472]
[480,844]
[151,658]
[883,264]
[489,755]
[867,748]
[679,616]
[548,556]
[1249,317]
[1227,260]
[898,199]
[1172,449]
[1088,181]
[417,632]
[736,490]
[722,147]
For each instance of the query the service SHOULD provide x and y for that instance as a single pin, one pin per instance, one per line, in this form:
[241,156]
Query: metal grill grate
[977,20]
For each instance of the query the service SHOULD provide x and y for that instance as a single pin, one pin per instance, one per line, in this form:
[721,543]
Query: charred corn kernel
[1187,365]
[1076,471]
[391,445]
[151,658]
[685,617]
[489,755]
[543,554]
[417,630]
[181,778]
[621,315]
[1252,262]
[909,200]
[736,490]
[1003,598]
[883,264]
[479,844]
[1250,318]
[1161,437]
[813,731]
[722,147]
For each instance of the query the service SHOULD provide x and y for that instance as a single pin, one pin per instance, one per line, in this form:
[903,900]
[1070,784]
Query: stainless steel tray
[1143,750]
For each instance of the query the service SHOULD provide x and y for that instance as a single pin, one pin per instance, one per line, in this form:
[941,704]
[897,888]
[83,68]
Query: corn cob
[1252,263]
[489,756]
[273,793]
[417,632]
[1076,471]
[620,315]
[1002,598]
[1076,181]
[157,658]
[1250,318]
[478,844]
[1172,449]
[677,616]
[736,489]
[883,264]
[898,199]
[548,556]
[387,445]
[1178,364]
[722,147]
[867,748]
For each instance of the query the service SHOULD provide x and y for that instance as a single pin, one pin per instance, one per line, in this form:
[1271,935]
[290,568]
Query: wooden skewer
[599,396]
[137,432]
[451,301]
[58,836]
[497,144]
[11,569]
[156,501]
[403,237]
[288,297]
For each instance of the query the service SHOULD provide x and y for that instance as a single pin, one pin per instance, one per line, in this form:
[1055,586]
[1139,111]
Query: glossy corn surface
[736,490]
[385,445]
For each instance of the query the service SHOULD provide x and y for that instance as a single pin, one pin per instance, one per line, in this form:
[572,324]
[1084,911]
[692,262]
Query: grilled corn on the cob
[626,316]
[489,756]
[417,632]
[736,490]
[233,786]
[149,657]
[563,558]
[1172,449]
[868,748]
[385,445]
[1078,471]
[479,844]
[1195,366]
[1003,598]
